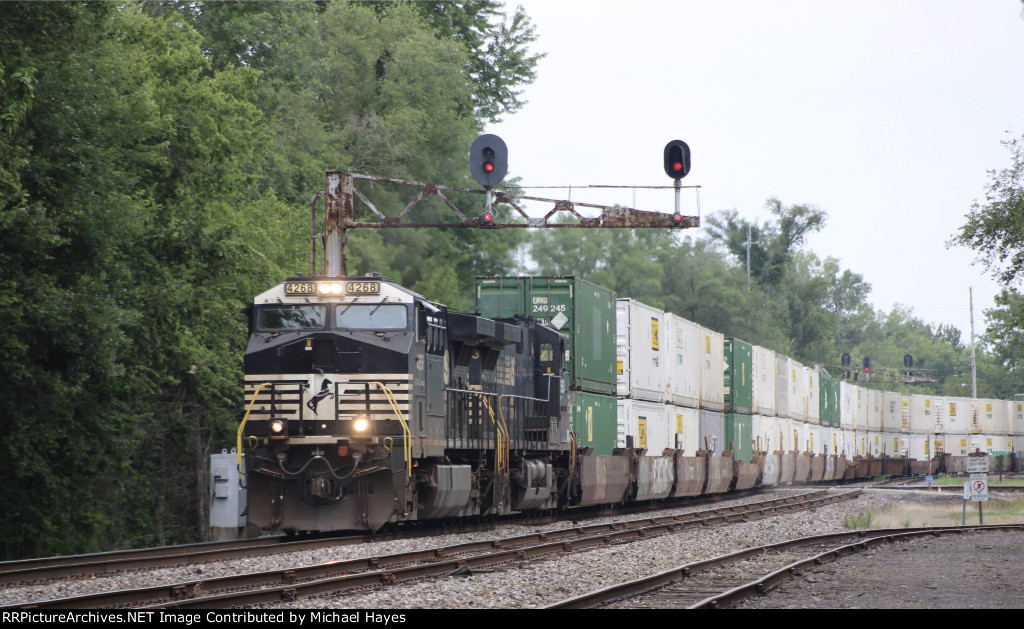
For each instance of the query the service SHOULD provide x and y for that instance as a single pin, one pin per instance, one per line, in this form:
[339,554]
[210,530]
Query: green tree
[135,237]
[497,45]
[1004,339]
[995,229]
[774,245]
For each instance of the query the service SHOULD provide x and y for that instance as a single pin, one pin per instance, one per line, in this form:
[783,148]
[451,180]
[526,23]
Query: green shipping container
[595,421]
[828,400]
[738,368]
[739,436]
[583,312]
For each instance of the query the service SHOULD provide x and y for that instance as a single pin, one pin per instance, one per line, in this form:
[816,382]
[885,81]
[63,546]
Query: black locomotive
[369,404]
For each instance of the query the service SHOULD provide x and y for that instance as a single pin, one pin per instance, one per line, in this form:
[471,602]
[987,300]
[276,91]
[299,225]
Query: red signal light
[677,218]
[487,218]
[489,167]
[677,166]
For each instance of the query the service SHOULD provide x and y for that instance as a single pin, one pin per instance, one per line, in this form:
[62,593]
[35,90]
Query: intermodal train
[369,404]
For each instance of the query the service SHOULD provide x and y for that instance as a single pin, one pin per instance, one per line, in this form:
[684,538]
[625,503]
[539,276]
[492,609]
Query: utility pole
[974,367]
[749,242]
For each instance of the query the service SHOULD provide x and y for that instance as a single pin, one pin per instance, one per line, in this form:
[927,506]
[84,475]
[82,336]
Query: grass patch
[953,480]
[994,511]
[859,521]
[896,515]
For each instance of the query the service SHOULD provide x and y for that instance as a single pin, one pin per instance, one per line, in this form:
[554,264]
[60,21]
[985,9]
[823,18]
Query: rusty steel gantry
[340,214]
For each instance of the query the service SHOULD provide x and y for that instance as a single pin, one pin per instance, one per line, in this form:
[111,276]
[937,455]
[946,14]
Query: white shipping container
[641,371]
[983,443]
[793,434]
[892,443]
[781,386]
[1015,411]
[712,370]
[993,417]
[874,409]
[958,444]
[685,429]
[1002,444]
[862,446]
[860,421]
[1015,417]
[875,443]
[891,411]
[813,394]
[957,415]
[991,444]
[827,445]
[901,444]
[922,446]
[834,440]
[922,414]
[647,422]
[757,430]
[814,443]
[763,381]
[847,404]
[769,434]
[684,357]
[849,443]
[797,390]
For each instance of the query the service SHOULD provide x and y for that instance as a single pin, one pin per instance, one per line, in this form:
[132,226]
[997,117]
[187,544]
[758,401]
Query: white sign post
[979,493]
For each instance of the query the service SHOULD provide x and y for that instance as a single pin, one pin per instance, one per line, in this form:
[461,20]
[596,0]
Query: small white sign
[979,488]
[560,319]
[977,464]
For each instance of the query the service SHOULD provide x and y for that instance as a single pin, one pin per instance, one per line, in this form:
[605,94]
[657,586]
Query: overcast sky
[887,115]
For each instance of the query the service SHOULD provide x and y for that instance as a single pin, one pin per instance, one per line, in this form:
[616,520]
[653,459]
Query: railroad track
[98,564]
[297,582]
[48,569]
[725,580]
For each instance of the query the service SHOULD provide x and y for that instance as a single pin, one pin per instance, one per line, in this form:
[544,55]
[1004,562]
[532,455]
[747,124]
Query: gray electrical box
[227,497]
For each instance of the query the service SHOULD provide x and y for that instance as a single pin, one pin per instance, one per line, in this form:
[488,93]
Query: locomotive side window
[373,317]
[547,353]
[289,317]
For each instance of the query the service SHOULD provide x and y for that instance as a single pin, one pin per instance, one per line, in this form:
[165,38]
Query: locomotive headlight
[330,288]
[277,426]
[361,424]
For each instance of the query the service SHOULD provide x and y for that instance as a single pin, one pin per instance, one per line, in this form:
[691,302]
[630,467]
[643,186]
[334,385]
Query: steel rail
[275,586]
[866,538]
[106,563]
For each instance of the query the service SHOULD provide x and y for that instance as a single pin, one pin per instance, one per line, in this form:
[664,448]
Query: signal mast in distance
[677,165]
[488,163]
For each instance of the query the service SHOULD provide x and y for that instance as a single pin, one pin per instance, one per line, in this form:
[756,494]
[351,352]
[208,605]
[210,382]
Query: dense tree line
[157,162]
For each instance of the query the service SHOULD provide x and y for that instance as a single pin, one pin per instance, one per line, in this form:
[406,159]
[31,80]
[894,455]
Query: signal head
[487,218]
[488,160]
[677,159]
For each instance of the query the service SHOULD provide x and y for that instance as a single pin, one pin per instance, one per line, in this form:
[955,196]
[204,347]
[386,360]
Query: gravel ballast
[518,585]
